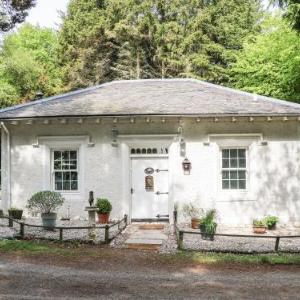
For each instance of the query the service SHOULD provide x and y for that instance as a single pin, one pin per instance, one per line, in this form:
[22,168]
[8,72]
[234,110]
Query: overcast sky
[46,12]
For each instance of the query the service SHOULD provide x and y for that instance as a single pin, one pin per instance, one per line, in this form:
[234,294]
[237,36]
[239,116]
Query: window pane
[242,163]
[225,184]
[242,153]
[233,184]
[242,174]
[65,155]
[242,184]
[225,163]
[233,153]
[225,153]
[73,175]
[66,176]
[74,185]
[58,176]
[225,174]
[73,164]
[58,186]
[66,186]
[233,163]
[57,155]
[57,165]
[233,174]
[73,154]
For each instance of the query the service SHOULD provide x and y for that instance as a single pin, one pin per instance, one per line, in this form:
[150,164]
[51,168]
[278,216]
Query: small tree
[45,202]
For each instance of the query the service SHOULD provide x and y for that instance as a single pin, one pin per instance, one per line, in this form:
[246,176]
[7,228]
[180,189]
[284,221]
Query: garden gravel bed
[68,234]
[242,244]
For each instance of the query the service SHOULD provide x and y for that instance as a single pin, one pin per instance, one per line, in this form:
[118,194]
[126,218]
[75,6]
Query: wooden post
[175,216]
[106,234]
[60,234]
[22,233]
[277,244]
[125,220]
[180,240]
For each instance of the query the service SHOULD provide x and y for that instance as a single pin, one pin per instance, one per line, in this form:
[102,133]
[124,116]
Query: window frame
[230,190]
[61,149]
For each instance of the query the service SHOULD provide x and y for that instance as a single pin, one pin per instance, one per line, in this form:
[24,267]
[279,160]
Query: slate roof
[153,97]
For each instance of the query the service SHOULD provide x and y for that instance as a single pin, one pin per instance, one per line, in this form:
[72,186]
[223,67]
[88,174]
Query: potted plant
[208,225]
[15,213]
[271,222]
[46,202]
[104,209]
[194,212]
[259,226]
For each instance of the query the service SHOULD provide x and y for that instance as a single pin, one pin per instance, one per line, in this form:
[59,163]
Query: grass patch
[32,247]
[219,258]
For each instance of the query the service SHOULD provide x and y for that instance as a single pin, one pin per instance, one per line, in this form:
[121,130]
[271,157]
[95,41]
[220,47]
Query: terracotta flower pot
[103,218]
[195,223]
[259,229]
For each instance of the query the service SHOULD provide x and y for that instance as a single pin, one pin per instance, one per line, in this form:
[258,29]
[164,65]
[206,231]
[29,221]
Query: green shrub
[103,205]
[208,223]
[45,202]
[271,221]
[259,223]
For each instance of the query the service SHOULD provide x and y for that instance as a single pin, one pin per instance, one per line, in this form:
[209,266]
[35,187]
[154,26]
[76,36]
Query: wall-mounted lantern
[114,137]
[186,165]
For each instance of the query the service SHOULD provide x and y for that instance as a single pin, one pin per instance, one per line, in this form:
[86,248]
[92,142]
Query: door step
[152,226]
[143,244]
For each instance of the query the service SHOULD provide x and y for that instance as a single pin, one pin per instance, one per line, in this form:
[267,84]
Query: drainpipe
[8,163]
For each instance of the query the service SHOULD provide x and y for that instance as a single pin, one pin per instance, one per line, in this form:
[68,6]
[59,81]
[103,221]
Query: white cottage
[130,141]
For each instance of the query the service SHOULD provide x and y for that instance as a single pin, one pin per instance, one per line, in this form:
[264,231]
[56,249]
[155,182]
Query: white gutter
[8,163]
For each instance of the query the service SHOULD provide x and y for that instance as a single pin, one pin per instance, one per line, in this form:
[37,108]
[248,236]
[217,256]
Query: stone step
[143,244]
[152,226]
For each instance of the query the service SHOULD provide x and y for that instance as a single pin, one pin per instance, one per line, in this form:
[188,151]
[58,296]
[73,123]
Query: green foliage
[112,39]
[292,11]
[28,64]
[45,201]
[271,221]
[13,12]
[208,223]
[259,223]
[269,63]
[103,205]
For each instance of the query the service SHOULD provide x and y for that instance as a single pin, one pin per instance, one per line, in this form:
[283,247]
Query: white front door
[149,188]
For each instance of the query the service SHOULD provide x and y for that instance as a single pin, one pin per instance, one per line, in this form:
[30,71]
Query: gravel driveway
[137,275]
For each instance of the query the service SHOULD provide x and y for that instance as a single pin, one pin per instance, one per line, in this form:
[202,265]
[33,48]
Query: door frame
[140,140]
[158,156]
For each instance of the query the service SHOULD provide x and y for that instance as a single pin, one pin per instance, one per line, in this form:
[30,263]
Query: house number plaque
[149,183]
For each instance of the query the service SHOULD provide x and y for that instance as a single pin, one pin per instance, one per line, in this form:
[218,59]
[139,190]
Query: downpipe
[8,163]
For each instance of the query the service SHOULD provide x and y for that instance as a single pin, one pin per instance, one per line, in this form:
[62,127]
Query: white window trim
[50,143]
[220,169]
[53,171]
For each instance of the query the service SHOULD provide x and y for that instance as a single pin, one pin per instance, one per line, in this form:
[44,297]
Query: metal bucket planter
[208,236]
[49,220]
[15,213]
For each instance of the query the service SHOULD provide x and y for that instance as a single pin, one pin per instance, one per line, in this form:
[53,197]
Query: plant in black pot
[208,225]
[46,203]
[104,209]
[15,213]
[271,222]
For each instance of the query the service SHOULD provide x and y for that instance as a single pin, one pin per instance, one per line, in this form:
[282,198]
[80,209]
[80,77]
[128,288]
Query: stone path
[145,238]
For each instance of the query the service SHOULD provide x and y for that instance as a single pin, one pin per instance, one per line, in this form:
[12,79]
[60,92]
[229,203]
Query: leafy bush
[271,221]
[259,223]
[103,205]
[45,202]
[208,223]
[192,210]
